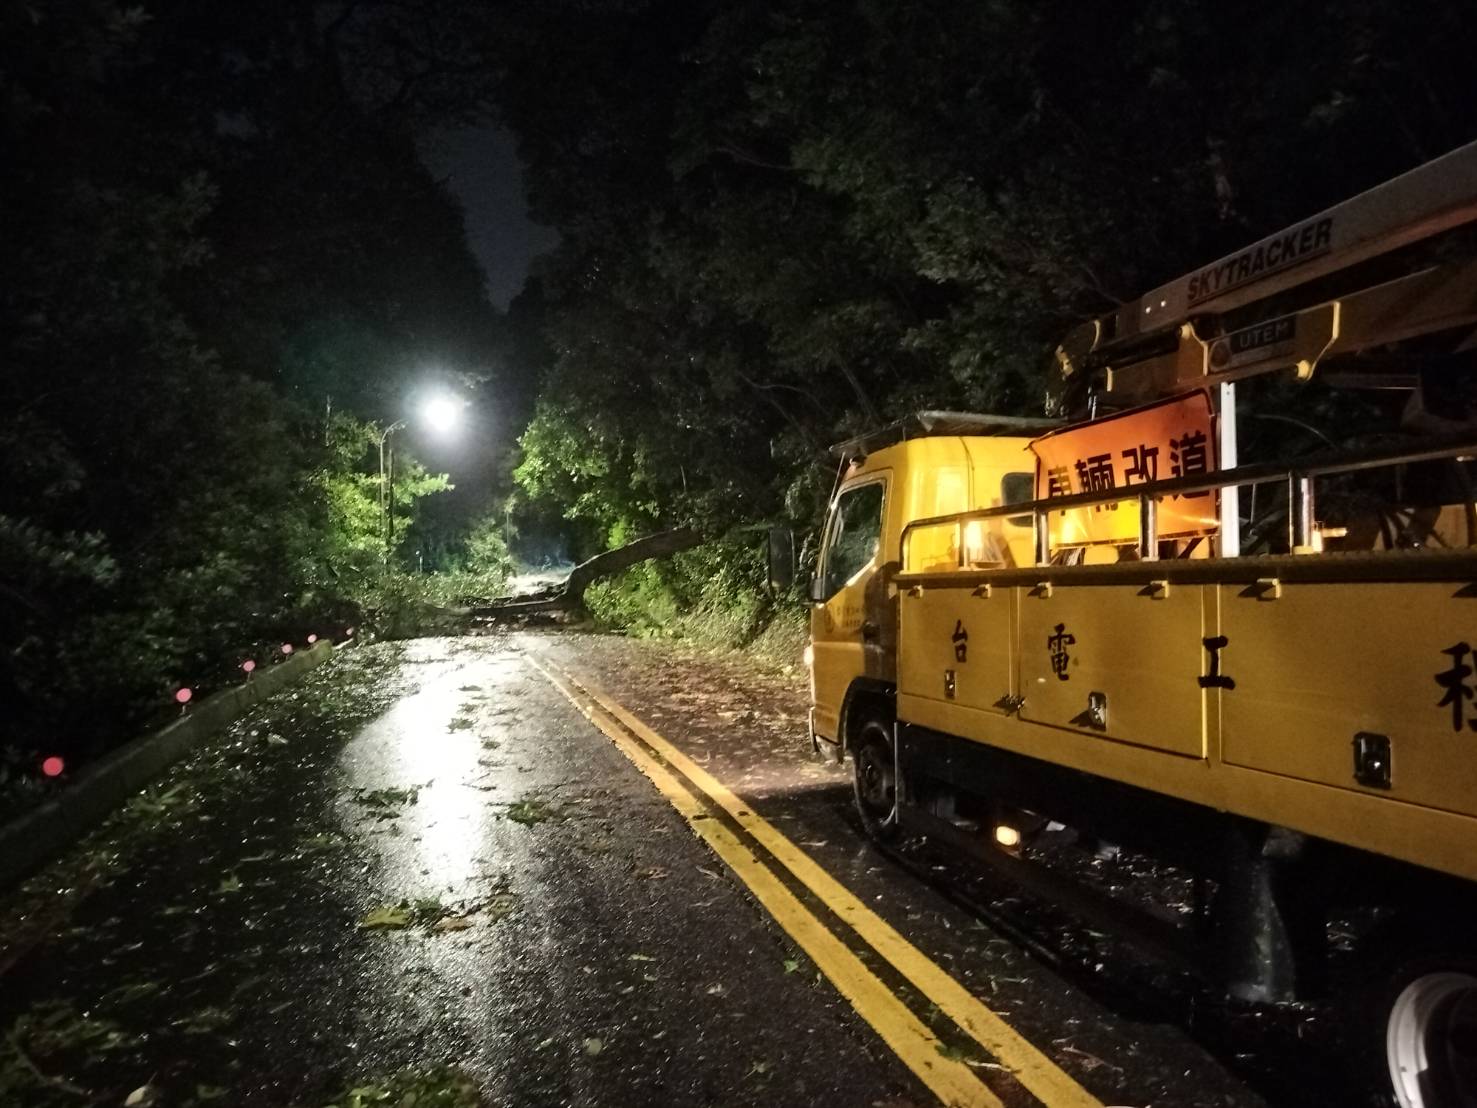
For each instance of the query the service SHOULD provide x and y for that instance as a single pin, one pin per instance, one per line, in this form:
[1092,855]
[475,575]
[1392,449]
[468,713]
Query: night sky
[482,169]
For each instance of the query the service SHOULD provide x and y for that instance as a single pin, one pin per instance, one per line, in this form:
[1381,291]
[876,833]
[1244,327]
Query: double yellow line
[953,1082]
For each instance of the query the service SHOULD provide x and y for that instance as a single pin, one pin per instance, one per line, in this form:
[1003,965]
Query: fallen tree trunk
[571,594]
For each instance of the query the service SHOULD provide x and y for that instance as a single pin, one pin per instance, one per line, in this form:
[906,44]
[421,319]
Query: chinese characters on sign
[1163,441]
[1188,456]
[1056,647]
[1095,474]
[1143,463]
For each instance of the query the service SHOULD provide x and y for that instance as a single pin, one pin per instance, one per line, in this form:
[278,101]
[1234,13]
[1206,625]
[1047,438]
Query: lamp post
[387,486]
[442,414]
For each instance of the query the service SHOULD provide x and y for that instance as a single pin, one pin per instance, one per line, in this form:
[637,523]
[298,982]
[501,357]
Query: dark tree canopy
[783,222]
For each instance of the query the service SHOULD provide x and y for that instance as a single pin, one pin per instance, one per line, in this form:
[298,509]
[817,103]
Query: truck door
[849,625]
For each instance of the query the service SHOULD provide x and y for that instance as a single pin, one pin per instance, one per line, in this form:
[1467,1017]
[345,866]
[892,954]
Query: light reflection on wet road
[426,743]
[603,955]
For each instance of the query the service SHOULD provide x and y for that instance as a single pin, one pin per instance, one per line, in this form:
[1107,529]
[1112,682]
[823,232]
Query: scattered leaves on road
[435,1087]
[46,1041]
[967,1057]
[204,1022]
[159,804]
[319,843]
[594,1046]
[498,905]
[130,993]
[430,914]
[387,803]
[391,917]
[531,810]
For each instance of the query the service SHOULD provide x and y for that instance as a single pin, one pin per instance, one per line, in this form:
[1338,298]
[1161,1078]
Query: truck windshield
[856,532]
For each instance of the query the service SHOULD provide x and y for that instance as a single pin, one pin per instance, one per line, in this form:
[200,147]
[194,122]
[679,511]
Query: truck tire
[1426,1031]
[874,780]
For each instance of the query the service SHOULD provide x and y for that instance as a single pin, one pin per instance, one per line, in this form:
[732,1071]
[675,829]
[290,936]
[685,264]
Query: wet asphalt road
[426,857]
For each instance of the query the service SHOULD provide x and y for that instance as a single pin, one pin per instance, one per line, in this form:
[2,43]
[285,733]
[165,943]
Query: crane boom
[1427,200]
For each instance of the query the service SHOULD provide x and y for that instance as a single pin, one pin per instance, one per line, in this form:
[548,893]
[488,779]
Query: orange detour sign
[1173,438]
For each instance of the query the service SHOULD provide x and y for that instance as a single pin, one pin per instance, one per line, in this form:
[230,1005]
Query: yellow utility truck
[1264,670]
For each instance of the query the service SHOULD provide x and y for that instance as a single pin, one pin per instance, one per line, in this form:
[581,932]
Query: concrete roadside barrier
[45,831]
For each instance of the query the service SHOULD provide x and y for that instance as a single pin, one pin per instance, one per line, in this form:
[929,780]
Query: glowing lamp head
[442,414]
[53,766]
[287,648]
[348,632]
[183,696]
[312,639]
[248,665]
[1007,836]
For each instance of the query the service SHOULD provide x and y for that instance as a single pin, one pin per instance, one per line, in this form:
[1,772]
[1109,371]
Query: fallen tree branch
[571,594]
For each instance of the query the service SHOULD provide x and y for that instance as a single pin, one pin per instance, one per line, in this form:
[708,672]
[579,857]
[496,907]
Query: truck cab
[931,464]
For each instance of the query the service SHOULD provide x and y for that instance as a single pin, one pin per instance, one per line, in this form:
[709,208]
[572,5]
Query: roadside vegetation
[712,596]
[223,268]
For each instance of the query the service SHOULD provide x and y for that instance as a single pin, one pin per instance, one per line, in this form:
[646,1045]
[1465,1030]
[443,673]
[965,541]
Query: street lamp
[440,412]
[387,486]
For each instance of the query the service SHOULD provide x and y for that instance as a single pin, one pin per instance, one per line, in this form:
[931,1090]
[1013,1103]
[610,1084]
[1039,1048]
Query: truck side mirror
[817,589]
[781,558]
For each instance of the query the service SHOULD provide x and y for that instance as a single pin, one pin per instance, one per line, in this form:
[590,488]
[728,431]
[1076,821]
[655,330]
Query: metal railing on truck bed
[1298,478]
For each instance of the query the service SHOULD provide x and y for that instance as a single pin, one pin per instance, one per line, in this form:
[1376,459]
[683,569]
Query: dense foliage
[780,221]
[221,261]
[785,221]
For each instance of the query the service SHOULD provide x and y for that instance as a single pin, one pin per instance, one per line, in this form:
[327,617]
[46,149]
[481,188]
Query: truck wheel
[874,780]
[1430,1036]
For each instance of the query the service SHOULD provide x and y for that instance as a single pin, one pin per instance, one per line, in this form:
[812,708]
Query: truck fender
[864,693]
